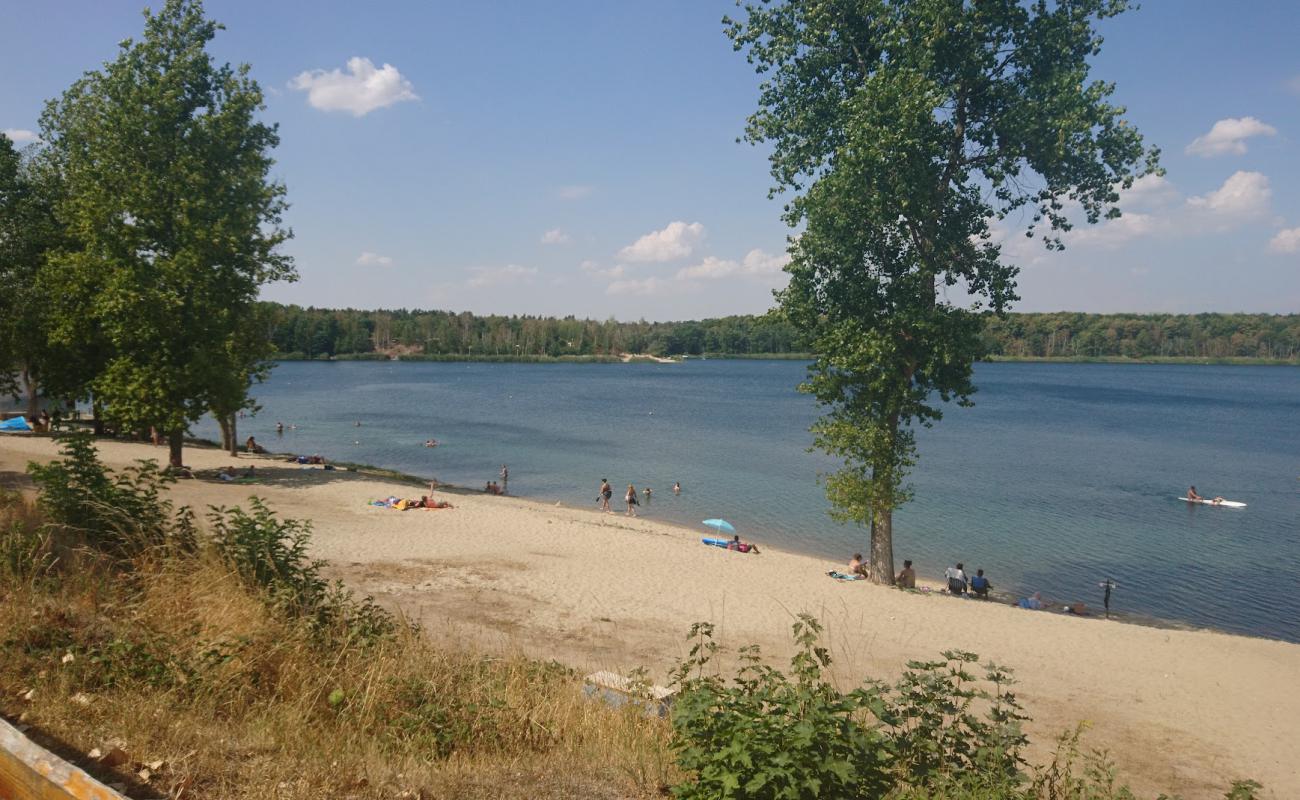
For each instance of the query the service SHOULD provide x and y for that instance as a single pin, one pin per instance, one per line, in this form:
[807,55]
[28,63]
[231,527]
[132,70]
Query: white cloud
[555,236]
[359,91]
[594,268]
[1113,233]
[1229,136]
[369,259]
[676,241]
[511,273]
[755,263]
[1242,195]
[20,135]
[638,287]
[1286,241]
[574,192]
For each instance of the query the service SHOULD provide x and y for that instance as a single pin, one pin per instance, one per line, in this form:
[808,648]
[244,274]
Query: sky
[581,157]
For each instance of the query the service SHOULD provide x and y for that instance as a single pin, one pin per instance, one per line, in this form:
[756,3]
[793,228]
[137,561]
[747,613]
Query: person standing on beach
[603,494]
[632,500]
[505,479]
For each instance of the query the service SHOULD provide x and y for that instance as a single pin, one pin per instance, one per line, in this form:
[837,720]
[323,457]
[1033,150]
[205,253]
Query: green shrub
[270,555]
[938,733]
[122,513]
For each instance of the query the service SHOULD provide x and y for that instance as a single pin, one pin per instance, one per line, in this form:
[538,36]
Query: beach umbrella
[720,525]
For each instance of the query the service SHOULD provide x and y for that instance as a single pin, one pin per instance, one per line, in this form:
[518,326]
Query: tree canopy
[903,128]
[175,218]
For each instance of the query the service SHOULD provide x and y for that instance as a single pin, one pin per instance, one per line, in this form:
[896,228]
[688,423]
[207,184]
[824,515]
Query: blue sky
[580,157]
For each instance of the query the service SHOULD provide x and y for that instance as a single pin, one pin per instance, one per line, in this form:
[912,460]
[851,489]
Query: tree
[28,233]
[904,128]
[176,219]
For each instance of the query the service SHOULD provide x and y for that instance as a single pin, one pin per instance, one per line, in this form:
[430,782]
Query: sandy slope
[1181,711]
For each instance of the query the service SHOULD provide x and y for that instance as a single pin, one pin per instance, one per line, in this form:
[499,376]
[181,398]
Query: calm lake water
[1061,475]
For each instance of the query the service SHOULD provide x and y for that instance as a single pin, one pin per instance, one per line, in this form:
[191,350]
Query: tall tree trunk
[175,441]
[32,386]
[882,547]
[96,421]
[233,446]
[226,436]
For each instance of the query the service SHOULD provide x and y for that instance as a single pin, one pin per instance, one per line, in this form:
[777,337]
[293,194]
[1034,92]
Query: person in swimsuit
[632,502]
[1192,495]
[907,577]
[856,567]
[603,494]
[677,488]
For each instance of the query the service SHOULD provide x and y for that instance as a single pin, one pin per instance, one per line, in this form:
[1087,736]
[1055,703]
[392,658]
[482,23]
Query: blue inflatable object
[15,424]
[717,542]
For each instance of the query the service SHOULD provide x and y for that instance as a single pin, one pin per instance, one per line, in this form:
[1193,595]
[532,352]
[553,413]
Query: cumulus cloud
[1229,136]
[369,259]
[511,273]
[555,236]
[755,263]
[360,90]
[1286,241]
[1242,195]
[678,240]
[20,135]
[573,192]
[636,287]
[594,268]
[1115,232]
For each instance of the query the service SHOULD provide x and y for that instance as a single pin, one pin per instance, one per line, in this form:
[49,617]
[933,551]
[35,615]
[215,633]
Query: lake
[1060,476]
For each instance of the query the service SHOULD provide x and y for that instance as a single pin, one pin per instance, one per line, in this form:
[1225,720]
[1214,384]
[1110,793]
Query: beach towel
[841,576]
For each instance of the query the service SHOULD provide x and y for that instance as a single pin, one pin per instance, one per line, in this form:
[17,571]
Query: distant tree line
[299,332]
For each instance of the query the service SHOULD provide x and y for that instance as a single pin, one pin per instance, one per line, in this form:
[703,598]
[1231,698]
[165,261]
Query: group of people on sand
[405,504]
[606,492]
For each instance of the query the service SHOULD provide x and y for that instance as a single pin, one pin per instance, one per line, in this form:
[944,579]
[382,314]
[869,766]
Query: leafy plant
[121,512]
[270,554]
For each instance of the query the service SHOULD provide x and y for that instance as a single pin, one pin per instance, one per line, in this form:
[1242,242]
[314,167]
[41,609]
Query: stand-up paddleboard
[1204,502]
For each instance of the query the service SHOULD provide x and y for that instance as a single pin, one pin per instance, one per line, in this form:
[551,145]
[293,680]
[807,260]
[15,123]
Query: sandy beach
[1180,711]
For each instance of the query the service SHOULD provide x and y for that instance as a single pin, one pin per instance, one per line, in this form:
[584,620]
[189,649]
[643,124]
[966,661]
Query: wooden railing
[30,772]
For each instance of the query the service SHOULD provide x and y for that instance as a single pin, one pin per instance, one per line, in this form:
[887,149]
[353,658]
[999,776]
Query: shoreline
[1181,710]
[924,586]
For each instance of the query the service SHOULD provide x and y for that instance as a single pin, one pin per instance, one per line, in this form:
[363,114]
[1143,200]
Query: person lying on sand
[226,474]
[744,547]
[1034,602]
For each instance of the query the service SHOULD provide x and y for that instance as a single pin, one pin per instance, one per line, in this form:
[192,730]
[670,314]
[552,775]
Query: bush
[938,733]
[270,555]
[120,513]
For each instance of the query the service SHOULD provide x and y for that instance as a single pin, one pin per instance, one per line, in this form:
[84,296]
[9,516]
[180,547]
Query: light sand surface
[1180,711]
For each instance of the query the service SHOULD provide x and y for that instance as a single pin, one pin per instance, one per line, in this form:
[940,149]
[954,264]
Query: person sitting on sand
[979,585]
[253,447]
[856,567]
[956,579]
[744,547]
[226,473]
[251,472]
[907,577]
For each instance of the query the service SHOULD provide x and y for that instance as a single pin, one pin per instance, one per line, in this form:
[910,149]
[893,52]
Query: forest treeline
[299,332]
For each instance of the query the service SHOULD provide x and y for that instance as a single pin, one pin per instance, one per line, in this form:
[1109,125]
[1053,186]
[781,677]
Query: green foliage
[122,513]
[174,221]
[938,733]
[904,128]
[270,555]
[26,554]
[769,735]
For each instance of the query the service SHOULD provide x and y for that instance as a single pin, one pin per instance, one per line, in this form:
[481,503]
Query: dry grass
[176,660]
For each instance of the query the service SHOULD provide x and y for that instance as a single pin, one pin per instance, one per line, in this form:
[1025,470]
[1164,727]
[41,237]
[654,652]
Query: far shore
[1180,710]
[626,358]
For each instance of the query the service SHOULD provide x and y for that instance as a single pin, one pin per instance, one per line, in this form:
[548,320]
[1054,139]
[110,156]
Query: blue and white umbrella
[720,525]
